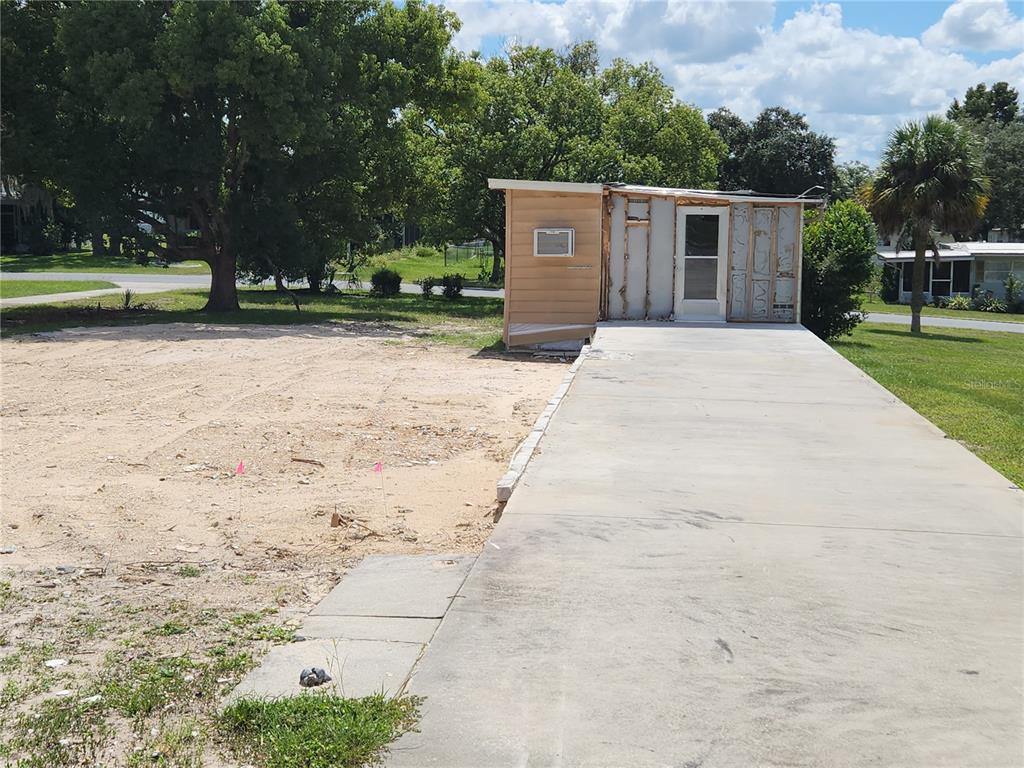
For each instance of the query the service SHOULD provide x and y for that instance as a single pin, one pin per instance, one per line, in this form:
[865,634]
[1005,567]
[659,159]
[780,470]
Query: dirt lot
[137,541]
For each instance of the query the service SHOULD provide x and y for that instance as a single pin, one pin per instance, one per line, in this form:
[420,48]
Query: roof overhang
[904,256]
[546,186]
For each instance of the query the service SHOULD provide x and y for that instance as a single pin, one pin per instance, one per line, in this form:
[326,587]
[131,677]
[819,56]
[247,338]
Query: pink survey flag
[378,467]
[240,469]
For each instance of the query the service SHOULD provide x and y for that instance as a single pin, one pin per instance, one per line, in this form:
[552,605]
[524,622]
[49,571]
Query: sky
[856,69]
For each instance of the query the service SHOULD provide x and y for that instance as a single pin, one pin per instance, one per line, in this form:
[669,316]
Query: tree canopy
[775,153]
[994,116]
[555,116]
[999,104]
[192,119]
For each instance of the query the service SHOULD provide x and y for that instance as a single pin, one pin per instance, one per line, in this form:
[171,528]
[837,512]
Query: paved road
[156,283]
[735,549]
[946,322]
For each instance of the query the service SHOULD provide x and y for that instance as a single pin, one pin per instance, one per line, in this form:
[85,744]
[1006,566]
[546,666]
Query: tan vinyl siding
[552,289]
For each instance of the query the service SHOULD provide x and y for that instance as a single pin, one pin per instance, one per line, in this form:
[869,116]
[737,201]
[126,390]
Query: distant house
[961,269]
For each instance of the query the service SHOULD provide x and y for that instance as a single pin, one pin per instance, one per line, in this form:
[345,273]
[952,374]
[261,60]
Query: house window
[942,276]
[961,277]
[908,276]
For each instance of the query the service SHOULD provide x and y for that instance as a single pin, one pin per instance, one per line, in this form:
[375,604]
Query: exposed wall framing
[640,261]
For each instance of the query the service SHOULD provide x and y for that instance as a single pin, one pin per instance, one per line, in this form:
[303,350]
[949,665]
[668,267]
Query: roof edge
[546,186]
[597,189]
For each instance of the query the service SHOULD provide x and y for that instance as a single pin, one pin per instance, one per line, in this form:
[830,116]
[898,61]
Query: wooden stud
[606,280]
[728,265]
[748,306]
[773,262]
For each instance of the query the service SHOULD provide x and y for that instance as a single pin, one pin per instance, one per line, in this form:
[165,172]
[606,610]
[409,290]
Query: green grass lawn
[874,304]
[968,383]
[413,268]
[10,289]
[471,322]
[84,261]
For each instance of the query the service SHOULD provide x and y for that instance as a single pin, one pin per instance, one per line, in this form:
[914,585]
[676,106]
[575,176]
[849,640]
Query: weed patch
[316,730]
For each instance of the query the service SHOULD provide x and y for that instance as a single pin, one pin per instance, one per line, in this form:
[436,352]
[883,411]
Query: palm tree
[929,179]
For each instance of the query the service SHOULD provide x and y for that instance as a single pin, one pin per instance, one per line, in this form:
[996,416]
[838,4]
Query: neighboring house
[961,269]
[579,253]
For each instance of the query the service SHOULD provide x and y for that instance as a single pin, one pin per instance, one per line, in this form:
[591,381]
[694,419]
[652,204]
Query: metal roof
[956,251]
[735,196]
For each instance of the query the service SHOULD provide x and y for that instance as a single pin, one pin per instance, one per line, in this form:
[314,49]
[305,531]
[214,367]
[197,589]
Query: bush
[385,282]
[959,303]
[427,285]
[426,252]
[889,290]
[1014,292]
[451,286]
[839,245]
[985,304]
[43,238]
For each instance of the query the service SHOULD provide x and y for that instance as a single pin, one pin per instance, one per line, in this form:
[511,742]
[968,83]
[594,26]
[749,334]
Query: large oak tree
[185,117]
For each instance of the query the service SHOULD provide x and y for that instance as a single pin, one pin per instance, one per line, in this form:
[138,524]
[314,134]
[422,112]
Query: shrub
[889,289]
[991,305]
[427,285]
[385,282]
[1014,291]
[959,302]
[839,244]
[426,252]
[451,286]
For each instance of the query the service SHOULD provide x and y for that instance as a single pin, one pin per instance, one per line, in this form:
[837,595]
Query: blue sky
[856,69]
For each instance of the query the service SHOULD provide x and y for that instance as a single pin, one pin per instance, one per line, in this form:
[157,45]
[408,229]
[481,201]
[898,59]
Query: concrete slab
[409,586]
[369,628]
[733,548]
[358,668]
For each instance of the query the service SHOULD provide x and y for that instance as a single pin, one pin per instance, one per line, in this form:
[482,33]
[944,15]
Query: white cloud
[651,30]
[853,84]
[977,25]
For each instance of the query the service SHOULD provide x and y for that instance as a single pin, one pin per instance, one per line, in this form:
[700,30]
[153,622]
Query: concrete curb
[524,451]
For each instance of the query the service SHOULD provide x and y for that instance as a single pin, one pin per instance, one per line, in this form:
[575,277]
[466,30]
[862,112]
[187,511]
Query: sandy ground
[120,448]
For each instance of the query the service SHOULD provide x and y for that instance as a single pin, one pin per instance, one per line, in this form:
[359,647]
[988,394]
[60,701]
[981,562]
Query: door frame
[701,309]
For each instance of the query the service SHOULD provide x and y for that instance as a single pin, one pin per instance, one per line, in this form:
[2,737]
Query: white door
[702,238]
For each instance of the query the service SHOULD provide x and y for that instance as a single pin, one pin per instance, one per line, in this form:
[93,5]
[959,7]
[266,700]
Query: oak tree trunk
[498,245]
[96,240]
[223,292]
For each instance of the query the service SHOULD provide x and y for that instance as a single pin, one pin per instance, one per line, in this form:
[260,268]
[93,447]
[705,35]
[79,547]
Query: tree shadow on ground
[924,335]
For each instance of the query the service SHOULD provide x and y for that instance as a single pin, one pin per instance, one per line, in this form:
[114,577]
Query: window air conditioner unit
[554,242]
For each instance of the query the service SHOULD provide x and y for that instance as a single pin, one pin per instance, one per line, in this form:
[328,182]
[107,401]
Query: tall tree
[999,104]
[930,178]
[993,114]
[850,177]
[776,153]
[653,139]
[193,105]
[555,117]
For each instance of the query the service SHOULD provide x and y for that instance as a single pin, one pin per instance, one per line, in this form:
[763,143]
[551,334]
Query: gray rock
[66,570]
[311,677]
[8,550]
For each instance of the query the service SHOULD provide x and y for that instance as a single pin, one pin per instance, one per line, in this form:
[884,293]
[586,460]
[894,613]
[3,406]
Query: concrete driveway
[735,549]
